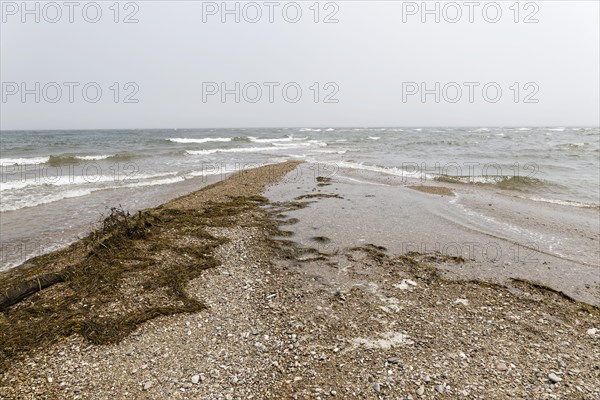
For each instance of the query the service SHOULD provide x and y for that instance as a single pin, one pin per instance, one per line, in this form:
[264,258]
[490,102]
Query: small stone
[426,379]
[592,331]
[50,379]
[501,367]
[377,387]
[147,385]
[440,388]
[464,302]
[421,390]
[195,379]
[554,378]
[393,360]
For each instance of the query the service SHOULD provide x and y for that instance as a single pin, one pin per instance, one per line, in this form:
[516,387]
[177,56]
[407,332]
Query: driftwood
[26,289]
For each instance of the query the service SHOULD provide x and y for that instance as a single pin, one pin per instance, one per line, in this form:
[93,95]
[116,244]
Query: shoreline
[235,303]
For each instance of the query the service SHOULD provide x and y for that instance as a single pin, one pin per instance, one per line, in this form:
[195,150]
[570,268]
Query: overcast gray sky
[370,67]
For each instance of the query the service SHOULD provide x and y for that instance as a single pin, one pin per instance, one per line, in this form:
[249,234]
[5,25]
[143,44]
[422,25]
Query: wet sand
[312,292]
[500,236]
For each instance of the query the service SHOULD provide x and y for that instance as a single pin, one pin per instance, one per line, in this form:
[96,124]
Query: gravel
[334,327]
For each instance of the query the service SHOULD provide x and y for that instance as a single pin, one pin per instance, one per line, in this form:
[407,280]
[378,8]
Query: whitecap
[23,161]
[94,158]
[203,140]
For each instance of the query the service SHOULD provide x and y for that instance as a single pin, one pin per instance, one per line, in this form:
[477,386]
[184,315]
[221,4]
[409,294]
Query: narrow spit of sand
[209,297]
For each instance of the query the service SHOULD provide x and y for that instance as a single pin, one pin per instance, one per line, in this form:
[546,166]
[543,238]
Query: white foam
[203,140]
[45,199]
[374,137]
[331,151]
[36,199]
[165,181]
[202,152]
[267,140]
[90,158]
[238,150]
[24,161]
[562,202]
[385,170]
[275,147]
[67,180]
[275,140]
[293,145]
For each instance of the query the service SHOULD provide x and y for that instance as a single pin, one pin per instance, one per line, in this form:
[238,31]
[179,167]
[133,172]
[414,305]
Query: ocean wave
[93,158]
[203,140]
[309,130]
[242,139]
[518,183]
[574,145]
[564,202]
[23,161]
[274,147]
[79,180]
[331,151]
[297,155]
[288,145]
[275,140]
[32,201]
[203,152]
[17,201]
[374,137]
[501,181]
[57,161]
[164,181]
[239,150]
[53,181]
[385,170]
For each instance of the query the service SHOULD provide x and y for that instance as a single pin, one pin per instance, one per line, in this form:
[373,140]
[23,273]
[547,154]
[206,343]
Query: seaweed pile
[133,268]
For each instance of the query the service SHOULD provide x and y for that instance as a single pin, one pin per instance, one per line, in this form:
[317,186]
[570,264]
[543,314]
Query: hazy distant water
[51,177]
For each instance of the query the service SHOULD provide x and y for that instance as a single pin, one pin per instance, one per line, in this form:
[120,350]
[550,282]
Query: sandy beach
[295,282]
